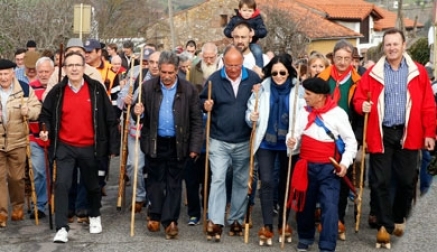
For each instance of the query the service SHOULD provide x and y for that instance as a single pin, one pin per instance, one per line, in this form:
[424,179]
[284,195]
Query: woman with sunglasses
[273,117]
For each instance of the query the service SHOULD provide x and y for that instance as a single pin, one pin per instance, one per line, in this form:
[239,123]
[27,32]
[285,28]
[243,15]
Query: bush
[419,51]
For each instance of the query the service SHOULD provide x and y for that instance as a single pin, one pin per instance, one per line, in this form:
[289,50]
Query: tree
[48,22]
[419,51]
[284,34]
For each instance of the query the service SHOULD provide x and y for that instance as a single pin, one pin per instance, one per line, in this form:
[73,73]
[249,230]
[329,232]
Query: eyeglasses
[282,73]
[74,65]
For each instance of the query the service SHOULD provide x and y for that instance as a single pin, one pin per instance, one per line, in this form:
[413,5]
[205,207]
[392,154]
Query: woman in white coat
[273,117]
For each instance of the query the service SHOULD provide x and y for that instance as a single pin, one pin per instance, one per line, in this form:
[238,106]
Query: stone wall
[212,15]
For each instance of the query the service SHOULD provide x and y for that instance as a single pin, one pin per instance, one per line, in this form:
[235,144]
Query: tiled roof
[310,23]
[389,21]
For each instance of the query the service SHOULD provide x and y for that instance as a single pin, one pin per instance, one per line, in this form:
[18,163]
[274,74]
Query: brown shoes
[213,231]
[153,226]
[399,229]
[372,221]
[265,236]
[236,229]
[3,220]
[17,215]
[171,232]
[287,234]
[138,206]
[341,231]
[383,238]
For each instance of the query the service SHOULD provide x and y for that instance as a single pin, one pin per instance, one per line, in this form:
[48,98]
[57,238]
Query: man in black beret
[13,134]
[313,177]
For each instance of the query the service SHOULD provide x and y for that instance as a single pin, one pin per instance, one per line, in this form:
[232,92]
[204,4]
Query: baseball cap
[30,59]
[91,44]
[74,42]
[147,52]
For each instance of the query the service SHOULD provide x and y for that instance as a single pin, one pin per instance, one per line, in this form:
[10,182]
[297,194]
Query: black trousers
[164,182]
[67,159]
[395,164]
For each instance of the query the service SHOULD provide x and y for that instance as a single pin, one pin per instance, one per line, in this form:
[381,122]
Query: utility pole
[400,19]
[170,20]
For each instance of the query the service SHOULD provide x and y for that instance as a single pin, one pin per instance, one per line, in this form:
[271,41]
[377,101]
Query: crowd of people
[289,116]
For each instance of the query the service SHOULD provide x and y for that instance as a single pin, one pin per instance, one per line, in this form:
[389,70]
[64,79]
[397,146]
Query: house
[321,23]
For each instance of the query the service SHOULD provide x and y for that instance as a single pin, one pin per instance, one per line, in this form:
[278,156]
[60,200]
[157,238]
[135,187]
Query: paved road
[24,236]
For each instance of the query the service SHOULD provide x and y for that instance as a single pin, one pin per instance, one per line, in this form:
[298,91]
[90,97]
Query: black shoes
[40,215]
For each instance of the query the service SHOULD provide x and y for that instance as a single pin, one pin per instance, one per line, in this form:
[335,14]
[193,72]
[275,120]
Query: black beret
[316,85]
[6,64]
[31,43]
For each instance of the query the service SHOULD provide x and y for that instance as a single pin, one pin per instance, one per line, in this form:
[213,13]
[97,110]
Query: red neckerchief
[329,104]
[338,78]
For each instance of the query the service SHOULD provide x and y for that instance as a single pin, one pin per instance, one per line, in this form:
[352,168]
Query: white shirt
[4,96]
[249,60]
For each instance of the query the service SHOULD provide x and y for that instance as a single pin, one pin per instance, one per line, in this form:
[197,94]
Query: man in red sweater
[401,123]
[82,128]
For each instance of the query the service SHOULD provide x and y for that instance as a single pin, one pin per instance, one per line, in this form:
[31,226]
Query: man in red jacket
[401,123]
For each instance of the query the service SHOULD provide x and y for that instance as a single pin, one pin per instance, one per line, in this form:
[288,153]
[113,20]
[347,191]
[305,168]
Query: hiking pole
[251,165]
[124,150]
[358,201]
[137,137]
[290,160]
[48,182]
[205,181]
[29,160]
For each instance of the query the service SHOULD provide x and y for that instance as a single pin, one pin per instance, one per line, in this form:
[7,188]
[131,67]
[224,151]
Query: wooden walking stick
[290,159]
[358,200]
[52,195]
[124,151]
[205,181]
[251,165]
[29,160]
[137,137]
[48,181]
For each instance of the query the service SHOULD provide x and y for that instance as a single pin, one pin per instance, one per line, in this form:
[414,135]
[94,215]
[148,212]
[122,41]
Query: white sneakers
[95,225]
[95,228]
[61,236]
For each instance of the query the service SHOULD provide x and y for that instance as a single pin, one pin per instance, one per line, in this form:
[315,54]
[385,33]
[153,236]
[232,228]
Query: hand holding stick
[205,181]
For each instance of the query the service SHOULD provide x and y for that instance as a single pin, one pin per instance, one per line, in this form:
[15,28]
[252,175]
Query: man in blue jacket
[229,140]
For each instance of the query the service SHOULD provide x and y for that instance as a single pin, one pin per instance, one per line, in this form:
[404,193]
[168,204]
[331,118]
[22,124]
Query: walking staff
[48,181]
[137,138]
[205,183]
[290,158]
[29,161]
[249,181]
[359,199]
[124,153]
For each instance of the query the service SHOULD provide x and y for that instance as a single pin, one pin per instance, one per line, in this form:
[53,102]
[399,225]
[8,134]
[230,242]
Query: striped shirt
[395,94]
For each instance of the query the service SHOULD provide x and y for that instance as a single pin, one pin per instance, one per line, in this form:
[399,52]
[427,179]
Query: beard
[208,70]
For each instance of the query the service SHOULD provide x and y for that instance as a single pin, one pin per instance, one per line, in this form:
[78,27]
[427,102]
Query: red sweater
[33,125]
[421,110]
[77,119]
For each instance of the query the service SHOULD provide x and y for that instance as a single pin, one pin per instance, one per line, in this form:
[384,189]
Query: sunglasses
[282,73]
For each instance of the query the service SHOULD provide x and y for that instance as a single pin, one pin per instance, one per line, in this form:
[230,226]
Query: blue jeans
[39,174]
[323,185]
[257,54]
[141,184]
[425,178]
[221,156]
[77,196]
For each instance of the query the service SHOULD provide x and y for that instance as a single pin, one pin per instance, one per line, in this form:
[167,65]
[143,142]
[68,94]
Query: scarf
[277,126]
[312,151]
[338,79]
[313,113]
